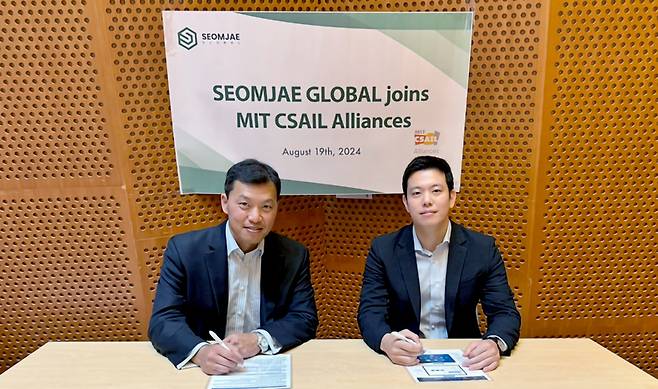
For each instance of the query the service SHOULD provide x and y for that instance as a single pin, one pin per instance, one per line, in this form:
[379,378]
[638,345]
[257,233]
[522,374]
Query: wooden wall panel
[67,270]
[53,128]
[596,267]
[351,225]
[559,165]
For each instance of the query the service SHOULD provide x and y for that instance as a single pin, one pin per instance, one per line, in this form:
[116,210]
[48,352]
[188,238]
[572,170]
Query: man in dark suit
[238,280]
[426,279]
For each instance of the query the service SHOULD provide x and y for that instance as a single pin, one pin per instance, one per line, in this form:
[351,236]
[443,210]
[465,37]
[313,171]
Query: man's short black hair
[251,171]
[425,162]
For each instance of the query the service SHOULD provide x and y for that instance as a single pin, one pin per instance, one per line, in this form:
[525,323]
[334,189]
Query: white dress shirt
[243,311]
[432,267]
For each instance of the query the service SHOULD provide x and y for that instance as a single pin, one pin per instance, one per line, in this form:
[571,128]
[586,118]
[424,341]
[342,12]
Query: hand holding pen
[218,357]
[402,337]
[216,339]
[402,348]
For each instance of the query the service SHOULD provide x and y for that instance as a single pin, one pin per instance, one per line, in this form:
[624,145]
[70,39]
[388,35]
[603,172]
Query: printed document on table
[261,371]
[443,365]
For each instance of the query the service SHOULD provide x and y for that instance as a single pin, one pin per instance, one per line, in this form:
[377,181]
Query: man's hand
[216,359]
[246,344]
[482,355]
[399,351]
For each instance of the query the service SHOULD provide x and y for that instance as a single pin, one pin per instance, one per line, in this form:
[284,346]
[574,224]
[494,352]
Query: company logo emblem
[426,138]
[187,38]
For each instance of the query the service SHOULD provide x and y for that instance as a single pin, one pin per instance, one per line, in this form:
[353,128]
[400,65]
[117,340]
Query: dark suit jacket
[390,295]
[192,294]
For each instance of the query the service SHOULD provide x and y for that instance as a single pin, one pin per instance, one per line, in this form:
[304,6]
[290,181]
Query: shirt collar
[419,247]
[232,245]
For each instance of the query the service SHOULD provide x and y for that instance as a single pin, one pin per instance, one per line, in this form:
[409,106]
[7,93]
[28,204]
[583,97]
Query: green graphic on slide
[450,58]
[416,31]
[375,21]
[192,154]
[197,180]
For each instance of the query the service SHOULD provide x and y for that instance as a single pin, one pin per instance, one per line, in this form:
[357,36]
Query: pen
[219,341]
[402,337]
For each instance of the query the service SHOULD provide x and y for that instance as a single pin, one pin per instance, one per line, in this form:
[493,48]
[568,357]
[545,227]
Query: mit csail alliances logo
[426,138]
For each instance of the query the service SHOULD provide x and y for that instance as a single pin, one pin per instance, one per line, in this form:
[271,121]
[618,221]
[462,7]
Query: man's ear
[224,200]
[453,198]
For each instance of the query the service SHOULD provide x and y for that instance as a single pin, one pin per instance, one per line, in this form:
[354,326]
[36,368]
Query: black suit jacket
[192,293]
[390,294]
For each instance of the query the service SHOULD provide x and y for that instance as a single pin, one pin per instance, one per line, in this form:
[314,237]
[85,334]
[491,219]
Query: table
[330,363]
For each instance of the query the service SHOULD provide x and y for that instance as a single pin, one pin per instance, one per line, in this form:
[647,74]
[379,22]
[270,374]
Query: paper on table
[444,365]
[261,371]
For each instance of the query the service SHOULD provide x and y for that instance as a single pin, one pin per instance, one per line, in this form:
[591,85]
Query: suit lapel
[217,266]
[407,260]
[456,257]
[271,266]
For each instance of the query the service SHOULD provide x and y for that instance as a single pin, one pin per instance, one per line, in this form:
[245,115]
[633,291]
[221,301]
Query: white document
[443,365]
[261,371]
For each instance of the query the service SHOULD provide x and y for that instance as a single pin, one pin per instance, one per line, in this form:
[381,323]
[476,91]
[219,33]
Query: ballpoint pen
[402,337]
[219,341]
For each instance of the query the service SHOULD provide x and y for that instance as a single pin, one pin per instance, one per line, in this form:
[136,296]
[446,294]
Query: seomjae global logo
[187,38]
[220,37]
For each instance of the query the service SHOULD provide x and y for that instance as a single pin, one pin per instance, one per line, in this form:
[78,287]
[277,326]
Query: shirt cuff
[500,342]
[186,364]
[275,347]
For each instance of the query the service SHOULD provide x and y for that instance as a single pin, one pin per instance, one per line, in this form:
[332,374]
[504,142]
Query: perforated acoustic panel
[66,269]
[66,272]
[597,265]
[138,65]
[302,218]
[51,124]
[351,225]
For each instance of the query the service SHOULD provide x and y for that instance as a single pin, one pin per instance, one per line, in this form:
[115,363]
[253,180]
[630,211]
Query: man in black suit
[238,280]
[426,279]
